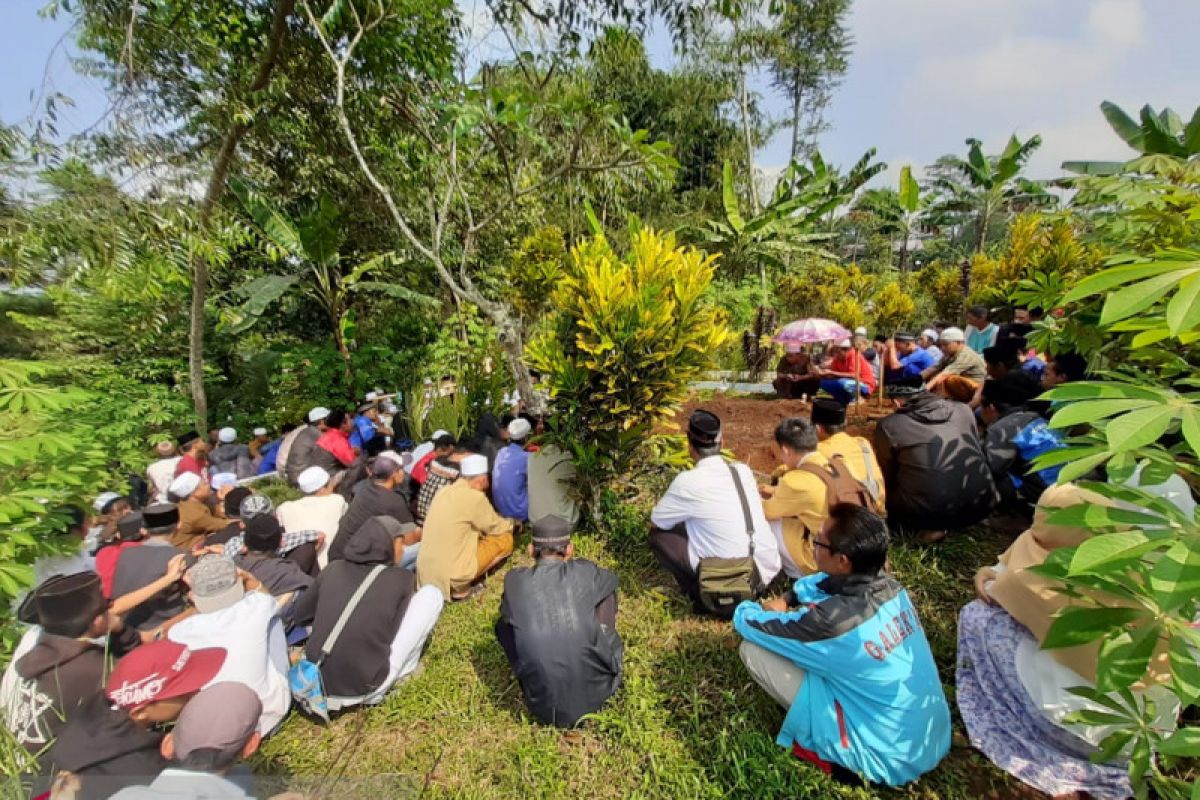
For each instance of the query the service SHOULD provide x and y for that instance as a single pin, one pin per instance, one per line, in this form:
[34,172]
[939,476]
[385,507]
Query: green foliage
[1154,134]
[1135,582]
[975,195]
[537,267]
[630,333]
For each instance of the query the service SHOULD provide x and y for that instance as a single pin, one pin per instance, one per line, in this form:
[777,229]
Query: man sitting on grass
[700,515]
[845,653]
[558,628]
[463,537]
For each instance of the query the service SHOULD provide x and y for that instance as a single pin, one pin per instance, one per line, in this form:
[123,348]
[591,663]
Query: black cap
[551,531]
[160,515]
[65,605]
[188,438]
[130,526]
[263,534]
[233,501]
[828,412]
[704,427]
[905,336]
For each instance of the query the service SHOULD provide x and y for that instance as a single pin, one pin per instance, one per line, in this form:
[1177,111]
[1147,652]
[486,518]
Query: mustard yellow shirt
[800,504]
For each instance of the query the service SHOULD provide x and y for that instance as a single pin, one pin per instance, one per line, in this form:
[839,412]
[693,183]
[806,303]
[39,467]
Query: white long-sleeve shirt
[705,500]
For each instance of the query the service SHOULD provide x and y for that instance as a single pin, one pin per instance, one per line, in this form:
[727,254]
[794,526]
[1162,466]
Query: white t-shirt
[251,634]
[314,513]
[161,473]
[705,500]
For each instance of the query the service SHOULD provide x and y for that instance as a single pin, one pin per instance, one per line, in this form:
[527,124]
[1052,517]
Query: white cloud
[1118,21]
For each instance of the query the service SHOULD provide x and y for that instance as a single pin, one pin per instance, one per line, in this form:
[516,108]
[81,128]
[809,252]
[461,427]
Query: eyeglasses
[819,543]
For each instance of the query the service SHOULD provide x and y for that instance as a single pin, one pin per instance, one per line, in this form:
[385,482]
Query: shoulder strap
[737,482]
[826,478]
[332,638]
[871,482]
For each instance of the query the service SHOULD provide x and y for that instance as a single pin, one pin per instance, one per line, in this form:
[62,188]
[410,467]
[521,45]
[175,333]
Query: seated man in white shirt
[235,613]
[701,515]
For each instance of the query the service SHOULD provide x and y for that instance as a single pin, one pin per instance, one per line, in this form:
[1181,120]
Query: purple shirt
[510,482]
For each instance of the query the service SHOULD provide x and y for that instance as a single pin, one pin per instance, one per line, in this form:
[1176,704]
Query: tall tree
[477,152]
[196,83]
[808,56]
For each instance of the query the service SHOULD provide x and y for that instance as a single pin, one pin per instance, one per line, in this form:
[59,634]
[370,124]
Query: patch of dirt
[749,423]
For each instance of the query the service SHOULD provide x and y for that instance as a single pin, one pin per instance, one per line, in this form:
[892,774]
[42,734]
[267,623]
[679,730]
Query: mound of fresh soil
[749,423]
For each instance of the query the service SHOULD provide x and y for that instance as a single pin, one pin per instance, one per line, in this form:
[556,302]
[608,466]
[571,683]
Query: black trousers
[670,547]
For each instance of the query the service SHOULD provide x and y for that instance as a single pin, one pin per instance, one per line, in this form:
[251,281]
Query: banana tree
[897,211]
[1154,134]
[976,190]
[312,243]
[795,222]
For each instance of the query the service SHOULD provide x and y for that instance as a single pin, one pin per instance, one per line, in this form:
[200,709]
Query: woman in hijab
[1013,696]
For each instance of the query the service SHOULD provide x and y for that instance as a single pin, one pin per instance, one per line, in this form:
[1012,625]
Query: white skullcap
[420,451]
[391,408]
[519,428]
[860,331]
[952,335]
[100,502]
[317,414]
[223,479]
[260,431]
[226,435]
[439,433]
[184,485]
[372,396]
[793,347]
[392,456]
[844,343]
[473,466]
[930,334]
[313,479]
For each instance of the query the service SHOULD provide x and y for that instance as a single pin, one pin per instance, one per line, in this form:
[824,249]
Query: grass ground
[688,722]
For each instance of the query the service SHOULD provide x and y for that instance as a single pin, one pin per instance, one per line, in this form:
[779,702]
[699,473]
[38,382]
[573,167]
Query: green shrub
[628,335]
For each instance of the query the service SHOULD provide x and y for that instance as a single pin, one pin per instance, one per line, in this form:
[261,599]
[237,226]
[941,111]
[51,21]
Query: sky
[924,75]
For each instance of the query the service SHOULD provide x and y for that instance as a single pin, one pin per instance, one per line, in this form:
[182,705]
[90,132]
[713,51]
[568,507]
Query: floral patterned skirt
[1005,725]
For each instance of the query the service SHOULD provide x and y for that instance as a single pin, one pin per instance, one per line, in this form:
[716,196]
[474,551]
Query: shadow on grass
[496,676]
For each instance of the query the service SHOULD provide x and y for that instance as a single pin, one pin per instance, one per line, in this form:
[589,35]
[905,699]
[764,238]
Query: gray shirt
[140,566]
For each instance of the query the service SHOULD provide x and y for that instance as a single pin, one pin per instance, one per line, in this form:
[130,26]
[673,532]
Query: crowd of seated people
[209,596]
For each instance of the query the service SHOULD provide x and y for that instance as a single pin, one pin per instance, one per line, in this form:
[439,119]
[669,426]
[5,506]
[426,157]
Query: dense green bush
[629,334]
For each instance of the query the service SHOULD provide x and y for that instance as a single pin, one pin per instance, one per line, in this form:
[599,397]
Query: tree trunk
[797,105]
[212,194]
[339,339]
[902,260]
[512,343]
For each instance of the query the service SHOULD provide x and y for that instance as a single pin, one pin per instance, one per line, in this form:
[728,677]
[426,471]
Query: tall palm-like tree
[971,194]
[897,212]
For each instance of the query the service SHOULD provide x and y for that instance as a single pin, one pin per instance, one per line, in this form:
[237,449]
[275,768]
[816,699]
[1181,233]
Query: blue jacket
[871,699]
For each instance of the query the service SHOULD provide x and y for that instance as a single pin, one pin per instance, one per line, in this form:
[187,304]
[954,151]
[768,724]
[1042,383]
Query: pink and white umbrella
[810,331]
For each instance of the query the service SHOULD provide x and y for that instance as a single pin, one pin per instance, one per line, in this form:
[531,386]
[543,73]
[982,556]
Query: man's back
[705,500]
[936,472]
[567,662]
[551,475]
[138,567]
[300,457]
[862,464]
[871,698]
[510,482]
[372,500]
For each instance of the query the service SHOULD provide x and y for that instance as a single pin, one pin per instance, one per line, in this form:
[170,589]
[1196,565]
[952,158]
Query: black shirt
[140,566]
[567,662]
[359,662]
[372,500]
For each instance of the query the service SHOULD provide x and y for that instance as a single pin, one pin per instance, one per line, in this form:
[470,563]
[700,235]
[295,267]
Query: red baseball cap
[159,671]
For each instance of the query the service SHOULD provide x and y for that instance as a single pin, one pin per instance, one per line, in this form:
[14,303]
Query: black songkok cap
[160,515]
[188,438]
[551,531]
[704,428]
[905,336]
[828,412]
